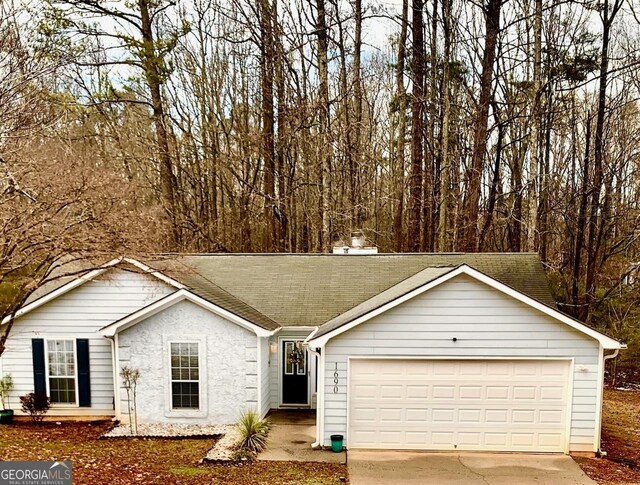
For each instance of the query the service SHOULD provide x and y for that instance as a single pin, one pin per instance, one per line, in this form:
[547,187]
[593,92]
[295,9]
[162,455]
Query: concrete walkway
[291,436]
[413,468]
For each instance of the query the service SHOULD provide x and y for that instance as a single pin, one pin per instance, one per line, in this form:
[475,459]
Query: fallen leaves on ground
[620,439]
[147,461]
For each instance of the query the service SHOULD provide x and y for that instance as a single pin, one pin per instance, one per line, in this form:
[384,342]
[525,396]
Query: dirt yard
[144,461]
[620,439]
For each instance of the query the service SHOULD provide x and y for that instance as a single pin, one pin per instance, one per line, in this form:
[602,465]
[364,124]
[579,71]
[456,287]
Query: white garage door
[458,405]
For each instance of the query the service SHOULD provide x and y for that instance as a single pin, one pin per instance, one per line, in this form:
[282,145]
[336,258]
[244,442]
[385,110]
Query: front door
[294,373]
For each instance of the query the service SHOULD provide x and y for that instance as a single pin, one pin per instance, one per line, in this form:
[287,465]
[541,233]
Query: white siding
[228,369]
[80,314]
[486,323]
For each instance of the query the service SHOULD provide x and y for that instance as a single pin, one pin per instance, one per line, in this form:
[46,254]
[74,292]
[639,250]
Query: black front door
[294,373]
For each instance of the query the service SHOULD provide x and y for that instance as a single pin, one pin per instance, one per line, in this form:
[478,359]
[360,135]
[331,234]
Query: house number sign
[335,380]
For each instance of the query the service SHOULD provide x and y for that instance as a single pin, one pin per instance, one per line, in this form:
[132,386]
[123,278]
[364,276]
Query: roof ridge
[434,254]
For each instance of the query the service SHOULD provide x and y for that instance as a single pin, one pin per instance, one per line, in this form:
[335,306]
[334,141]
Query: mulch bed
[146,460]
[620,439]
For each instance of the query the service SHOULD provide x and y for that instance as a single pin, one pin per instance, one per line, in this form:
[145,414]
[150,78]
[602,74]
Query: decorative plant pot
[336,443]
[6,416]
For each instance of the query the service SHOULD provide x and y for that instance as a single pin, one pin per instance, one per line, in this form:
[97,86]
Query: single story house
[394,351]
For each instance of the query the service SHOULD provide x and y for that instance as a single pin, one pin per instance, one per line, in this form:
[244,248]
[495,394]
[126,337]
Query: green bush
[253,432]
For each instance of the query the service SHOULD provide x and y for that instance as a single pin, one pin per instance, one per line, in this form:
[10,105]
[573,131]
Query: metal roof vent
[358,245]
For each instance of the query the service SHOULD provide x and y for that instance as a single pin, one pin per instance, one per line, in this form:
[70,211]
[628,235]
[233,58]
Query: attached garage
[489,405]
[454,360]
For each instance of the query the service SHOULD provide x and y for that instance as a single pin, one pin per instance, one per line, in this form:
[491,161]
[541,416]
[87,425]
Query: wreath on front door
[296,355]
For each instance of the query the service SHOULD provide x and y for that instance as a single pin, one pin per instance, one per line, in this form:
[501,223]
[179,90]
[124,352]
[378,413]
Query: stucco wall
[228,365]
[486,323]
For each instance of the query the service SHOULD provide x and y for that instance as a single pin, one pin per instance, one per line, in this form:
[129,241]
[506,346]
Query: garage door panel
[481,405]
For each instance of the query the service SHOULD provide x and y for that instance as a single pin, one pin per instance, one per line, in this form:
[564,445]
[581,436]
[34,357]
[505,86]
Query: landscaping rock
[224,449]
[165,430]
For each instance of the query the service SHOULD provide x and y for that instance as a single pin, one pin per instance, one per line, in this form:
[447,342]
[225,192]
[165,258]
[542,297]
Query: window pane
[288,360]
[302,366]
[185,395]
[62,390]
[185,388]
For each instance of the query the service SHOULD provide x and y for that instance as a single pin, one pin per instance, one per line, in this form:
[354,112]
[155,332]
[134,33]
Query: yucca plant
[253,432]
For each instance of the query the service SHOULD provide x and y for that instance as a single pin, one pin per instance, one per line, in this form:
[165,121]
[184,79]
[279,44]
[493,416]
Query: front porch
[292,433]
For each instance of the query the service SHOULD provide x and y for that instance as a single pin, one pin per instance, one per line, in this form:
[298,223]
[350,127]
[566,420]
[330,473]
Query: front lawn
[620,439]
[136,460]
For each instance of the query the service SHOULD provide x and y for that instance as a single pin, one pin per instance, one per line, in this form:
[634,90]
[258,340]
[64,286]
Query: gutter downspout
[604,363]
[114,369]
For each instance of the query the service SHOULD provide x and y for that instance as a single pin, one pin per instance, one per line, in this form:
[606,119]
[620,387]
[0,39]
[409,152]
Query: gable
[474,307]
[477,315]
[97,302]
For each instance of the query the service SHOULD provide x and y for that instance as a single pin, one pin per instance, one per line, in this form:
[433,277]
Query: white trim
[202,410]
[280,372]
[319,443]
[157,274]
[606,342]
[80,280]
[569,393]
[171,299]
[569,416]
[62,405]
[116,382]
[261,412]
[599,397]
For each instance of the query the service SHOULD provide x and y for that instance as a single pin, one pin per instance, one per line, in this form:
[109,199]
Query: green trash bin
[336,443]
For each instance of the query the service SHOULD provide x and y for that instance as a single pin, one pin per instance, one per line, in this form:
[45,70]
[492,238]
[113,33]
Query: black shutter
[39,376]
[84,381]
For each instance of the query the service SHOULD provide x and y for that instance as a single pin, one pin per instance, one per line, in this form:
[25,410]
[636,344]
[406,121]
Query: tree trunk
[357,108]
[401,95]
[417,127]
[536,129]
[471,202]
[582,221]
[152,71]
[325,148]
[608,15]
[443,243]
[267,147]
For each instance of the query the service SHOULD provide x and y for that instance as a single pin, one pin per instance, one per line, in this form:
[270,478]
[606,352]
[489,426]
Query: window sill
[185,413]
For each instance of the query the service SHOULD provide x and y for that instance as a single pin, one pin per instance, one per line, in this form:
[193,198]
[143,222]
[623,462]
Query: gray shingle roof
[308,290]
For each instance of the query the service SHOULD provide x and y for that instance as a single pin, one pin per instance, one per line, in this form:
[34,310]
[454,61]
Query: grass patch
[187,471]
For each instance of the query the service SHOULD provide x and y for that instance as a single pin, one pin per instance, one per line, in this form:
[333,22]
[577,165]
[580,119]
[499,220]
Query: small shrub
[253,432]
[36,405]
[6,386]
[130,378]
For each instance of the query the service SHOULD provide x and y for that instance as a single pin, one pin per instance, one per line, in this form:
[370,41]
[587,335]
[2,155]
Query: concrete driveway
[413,468]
